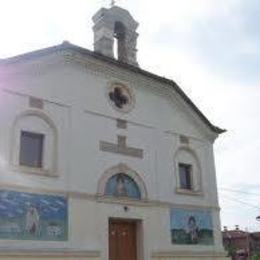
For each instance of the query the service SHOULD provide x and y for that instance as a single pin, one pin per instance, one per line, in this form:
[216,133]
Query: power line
[241,202]
[240,191]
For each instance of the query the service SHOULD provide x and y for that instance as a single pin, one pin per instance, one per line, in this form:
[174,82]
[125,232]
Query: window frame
[35,121]
[40,156]
[188,176]
[187,155]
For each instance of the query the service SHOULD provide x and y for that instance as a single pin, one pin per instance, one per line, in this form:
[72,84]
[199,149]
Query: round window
[121,97]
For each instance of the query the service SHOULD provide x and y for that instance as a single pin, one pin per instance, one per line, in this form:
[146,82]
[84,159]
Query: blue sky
[209,47]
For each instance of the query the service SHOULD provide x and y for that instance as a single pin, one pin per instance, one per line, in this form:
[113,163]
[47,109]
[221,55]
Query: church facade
[100,159]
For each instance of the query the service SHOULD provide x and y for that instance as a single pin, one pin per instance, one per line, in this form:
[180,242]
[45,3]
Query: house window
[31,149]
[185,171]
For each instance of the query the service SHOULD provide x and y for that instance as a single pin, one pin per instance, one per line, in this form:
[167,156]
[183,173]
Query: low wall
[189,256]
[48,257]
[95,255]
[42,255]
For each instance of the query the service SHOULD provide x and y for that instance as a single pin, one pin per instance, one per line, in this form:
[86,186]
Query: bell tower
[115,34]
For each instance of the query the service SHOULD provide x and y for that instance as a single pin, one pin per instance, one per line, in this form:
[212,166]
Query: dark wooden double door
[122,240]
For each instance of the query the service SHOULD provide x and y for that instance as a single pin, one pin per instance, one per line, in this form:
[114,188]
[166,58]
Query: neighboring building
[255,243]
[100,159]
[241,244]
[236,243]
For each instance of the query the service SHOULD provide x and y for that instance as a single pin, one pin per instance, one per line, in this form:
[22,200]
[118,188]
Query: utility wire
[240,191]
[240,201]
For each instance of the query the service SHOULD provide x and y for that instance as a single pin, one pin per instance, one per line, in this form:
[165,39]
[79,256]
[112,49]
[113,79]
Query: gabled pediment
[69,52]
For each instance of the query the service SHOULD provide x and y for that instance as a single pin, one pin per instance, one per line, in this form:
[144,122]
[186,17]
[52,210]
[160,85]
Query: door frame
[139,234]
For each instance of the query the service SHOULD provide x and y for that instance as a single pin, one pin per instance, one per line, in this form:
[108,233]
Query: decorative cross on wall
[118,97]
[122,99]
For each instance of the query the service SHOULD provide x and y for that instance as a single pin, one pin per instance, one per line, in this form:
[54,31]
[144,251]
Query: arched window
[188,170]
[120,45]
[121,185]
[34,143]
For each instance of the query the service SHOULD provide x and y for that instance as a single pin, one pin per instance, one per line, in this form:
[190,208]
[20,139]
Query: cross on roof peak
[112,2]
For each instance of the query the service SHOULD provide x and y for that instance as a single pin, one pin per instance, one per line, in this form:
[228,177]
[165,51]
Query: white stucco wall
[74,96]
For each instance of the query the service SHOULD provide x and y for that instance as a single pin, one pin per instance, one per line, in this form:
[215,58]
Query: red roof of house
[235,234]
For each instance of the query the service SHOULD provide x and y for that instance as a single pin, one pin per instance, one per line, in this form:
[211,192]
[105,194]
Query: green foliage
[231,250]
[179,236]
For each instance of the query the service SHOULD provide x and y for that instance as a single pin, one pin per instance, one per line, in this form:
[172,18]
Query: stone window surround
[190,176]
[15,145]
[195,176]
[38,141]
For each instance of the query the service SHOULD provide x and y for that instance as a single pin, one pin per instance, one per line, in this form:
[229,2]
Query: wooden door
[122,240]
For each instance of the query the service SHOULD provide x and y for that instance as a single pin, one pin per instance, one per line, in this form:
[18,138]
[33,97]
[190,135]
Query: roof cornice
[68,46]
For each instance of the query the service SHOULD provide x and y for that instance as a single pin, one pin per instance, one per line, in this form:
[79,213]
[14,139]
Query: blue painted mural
[121,185]
[27,216]
[191,226]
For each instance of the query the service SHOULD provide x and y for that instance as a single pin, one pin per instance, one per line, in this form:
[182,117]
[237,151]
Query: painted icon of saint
[120,186]
[32,221]
[193,230]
